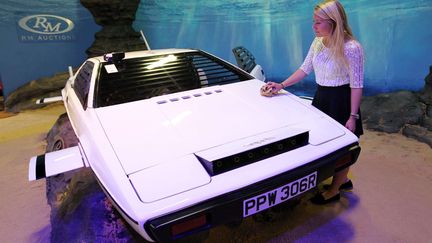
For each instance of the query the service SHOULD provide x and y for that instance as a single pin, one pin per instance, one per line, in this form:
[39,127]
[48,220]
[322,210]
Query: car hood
[170,128]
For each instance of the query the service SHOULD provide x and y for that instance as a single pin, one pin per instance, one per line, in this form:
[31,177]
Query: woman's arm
[355,56]
[296,77]
[356,95]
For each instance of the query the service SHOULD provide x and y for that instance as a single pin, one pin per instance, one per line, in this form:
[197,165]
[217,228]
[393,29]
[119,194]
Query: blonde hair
[333,12]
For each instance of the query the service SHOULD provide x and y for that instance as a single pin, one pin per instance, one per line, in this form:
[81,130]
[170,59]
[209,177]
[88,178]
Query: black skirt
[336,102]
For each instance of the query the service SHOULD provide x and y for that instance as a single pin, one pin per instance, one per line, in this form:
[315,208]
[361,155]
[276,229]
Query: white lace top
[326,72]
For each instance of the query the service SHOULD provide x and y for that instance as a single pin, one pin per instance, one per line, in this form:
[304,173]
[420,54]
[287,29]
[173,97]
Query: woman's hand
[274,86]
[270,89]
[351,124]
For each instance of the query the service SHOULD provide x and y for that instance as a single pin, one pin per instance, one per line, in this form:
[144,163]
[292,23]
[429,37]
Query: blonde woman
[336,57]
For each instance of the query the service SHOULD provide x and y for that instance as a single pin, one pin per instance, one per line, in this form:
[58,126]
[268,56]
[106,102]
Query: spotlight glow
[161,62]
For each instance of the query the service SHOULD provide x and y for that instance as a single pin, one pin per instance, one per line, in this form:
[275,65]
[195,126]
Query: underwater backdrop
[396,36]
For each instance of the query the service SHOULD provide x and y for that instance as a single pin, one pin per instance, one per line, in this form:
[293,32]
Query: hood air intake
[234,161]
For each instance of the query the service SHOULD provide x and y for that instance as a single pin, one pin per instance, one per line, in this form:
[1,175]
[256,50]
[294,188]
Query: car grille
[237,160]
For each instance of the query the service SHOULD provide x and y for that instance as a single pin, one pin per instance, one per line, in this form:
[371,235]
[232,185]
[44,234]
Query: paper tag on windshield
[111,68]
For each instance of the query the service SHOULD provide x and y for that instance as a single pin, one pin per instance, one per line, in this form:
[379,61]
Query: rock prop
[426,93]
[117,34]
[24,98]
[390,112]
[407,112]
[80,211]
[1,96]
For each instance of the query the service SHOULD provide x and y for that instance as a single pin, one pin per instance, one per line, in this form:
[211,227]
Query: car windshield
[145,77]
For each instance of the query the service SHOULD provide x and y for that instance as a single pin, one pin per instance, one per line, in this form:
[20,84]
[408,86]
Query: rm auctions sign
[45,28]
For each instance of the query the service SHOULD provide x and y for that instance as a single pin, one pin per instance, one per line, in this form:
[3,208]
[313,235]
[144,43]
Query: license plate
[279,195]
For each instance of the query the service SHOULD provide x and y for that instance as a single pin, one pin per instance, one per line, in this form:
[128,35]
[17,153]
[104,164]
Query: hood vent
[185,97]
[237,160]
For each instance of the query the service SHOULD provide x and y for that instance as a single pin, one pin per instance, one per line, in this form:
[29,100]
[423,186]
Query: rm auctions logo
[45,27]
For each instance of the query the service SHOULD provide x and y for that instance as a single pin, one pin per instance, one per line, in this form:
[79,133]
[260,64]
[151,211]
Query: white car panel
[322,130]
[141,149]
[182,124]
[174,177]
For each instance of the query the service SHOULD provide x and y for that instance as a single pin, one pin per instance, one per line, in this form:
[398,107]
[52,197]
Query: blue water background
[396,36]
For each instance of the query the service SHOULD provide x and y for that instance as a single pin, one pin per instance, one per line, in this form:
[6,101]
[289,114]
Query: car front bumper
[228,207]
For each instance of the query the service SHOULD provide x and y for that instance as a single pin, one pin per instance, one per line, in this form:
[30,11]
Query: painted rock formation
[116,18]
[407,112]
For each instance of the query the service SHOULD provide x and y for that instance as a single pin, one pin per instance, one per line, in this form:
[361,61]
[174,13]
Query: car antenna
[145,40]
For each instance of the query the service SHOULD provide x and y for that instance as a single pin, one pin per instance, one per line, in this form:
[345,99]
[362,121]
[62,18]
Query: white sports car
[182,141]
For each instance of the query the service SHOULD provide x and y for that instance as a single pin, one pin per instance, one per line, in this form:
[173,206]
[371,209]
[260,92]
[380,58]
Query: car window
[82,83]
[145,77]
